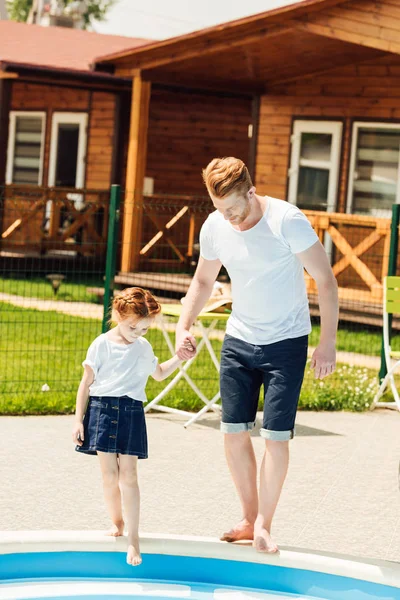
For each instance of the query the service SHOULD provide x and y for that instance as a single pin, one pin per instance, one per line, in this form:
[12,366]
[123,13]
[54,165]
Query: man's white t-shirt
[269,298]
[120,370]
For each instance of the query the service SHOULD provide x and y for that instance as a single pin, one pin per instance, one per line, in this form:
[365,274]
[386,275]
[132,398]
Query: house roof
[255,53]
[170,50]
[58,47]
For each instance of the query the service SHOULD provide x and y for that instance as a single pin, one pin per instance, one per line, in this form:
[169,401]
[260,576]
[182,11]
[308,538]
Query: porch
[73,223]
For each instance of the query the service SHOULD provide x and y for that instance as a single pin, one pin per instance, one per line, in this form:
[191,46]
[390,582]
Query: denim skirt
[115,425]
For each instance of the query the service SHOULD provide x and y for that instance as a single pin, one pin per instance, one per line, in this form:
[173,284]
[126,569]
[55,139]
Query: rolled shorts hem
[237,427]
[277,436]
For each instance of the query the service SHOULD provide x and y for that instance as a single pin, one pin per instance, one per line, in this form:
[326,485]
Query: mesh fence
[53,249]
[53,281]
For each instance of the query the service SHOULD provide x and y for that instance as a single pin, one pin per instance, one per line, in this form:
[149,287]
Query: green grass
[350,339]
[38,348]
[355,339]
[69,291]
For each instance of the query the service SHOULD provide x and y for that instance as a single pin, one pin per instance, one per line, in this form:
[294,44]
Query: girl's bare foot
[133,556]
[263,541]
[116,530]
[242,531]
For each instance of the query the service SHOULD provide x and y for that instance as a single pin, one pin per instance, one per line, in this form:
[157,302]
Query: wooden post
[136,165]
[5,99]
[5,103]
[253,136]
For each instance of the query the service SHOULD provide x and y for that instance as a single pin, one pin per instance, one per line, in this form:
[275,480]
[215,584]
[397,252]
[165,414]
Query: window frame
[353,157]
[76,118]
[327,126]
[14,114]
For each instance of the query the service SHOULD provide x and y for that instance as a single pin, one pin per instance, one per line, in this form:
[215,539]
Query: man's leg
[242,465]
[274,467]
[283,366]
[240,389]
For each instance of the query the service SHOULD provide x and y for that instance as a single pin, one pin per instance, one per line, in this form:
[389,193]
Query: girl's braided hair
[137,302]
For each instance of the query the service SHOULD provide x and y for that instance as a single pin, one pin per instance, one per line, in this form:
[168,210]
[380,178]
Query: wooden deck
[166,282]
[352,311]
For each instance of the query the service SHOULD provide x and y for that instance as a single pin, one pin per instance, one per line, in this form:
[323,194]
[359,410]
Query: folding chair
[391,305]
[174,310]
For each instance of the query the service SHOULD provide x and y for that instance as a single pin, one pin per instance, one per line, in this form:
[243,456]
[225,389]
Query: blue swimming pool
[172,570]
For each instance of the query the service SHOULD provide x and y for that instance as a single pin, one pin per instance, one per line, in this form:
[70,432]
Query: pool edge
[374,571]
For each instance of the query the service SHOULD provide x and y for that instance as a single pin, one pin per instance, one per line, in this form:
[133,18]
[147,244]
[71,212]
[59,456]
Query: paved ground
[341,494]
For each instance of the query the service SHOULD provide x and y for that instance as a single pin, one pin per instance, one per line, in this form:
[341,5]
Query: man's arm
[198,293]
[316,263]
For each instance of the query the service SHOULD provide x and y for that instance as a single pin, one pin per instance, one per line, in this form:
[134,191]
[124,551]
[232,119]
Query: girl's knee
[128,478]
[110,477]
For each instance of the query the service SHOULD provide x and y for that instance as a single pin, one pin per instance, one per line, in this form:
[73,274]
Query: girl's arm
[165,369]
[81,403]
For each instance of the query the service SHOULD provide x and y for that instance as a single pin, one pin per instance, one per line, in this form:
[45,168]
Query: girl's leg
[109,470]
[128,482]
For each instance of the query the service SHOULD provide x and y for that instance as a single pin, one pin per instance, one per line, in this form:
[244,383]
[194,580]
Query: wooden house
[307,95]
[59,128]
[322,115]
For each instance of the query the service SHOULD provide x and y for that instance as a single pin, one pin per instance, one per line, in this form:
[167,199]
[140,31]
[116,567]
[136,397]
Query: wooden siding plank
[348,36]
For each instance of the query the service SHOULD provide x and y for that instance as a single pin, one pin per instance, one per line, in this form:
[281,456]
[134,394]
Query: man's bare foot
[242,531]
[133,556]
[116,530]
[263,541]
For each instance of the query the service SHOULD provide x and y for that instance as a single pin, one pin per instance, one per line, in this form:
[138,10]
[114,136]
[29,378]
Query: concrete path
[341,494]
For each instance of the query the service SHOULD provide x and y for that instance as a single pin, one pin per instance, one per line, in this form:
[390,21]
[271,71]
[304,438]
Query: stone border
[373,571]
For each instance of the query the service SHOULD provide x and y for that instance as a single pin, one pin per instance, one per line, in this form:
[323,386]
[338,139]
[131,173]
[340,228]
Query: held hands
[77,433]
[323,360]
[185,345]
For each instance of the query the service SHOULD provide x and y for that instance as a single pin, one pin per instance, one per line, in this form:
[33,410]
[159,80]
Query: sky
[160,19]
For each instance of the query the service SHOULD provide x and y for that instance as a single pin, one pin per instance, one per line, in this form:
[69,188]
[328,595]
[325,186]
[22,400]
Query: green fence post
[392,270]
[112,241]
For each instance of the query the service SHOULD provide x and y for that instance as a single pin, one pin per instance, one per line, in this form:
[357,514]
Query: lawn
[351,338]
[69,291]
[47,348]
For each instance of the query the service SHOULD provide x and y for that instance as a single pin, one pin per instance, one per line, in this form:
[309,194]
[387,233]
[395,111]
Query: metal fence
[64,252]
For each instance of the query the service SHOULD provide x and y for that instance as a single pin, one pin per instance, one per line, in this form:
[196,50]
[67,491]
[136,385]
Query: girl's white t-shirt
[120,370]
[269,298]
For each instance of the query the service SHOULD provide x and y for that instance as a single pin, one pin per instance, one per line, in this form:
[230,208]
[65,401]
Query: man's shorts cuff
[277,436]
[237,427]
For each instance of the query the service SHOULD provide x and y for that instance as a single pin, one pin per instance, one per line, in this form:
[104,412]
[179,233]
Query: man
[265,244]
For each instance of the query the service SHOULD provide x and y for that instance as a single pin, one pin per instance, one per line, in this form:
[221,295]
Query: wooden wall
[101,109]
[101,141]
[369,90]
[186,131]
[372,23]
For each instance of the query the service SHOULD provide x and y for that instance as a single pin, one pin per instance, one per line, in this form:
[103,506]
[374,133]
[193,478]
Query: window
[25,148]
[67,160]
[314,166]
[68,150]
[374,169]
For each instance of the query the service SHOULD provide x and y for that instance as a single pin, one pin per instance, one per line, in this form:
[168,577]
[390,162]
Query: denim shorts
[245,367]
[114,425]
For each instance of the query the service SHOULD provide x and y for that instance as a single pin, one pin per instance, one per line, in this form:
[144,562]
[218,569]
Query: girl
[112,423]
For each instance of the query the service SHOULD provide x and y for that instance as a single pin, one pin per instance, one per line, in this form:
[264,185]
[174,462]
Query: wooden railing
[358,245]
[350,238]
[170,227]
[45,219]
